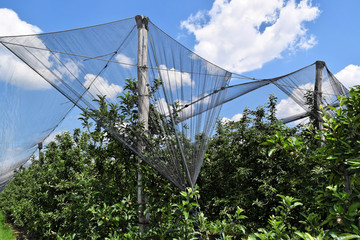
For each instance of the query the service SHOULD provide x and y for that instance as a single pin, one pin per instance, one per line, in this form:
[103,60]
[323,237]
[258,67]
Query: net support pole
[143,112]
[40,147]
[318,93]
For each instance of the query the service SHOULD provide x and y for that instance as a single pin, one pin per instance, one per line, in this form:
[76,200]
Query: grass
[6,233]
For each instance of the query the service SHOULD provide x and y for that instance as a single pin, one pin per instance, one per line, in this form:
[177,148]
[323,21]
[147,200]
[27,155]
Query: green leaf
[186,215]
[184,194]
[352,209]
[271,151]
[347,236]
[305,236]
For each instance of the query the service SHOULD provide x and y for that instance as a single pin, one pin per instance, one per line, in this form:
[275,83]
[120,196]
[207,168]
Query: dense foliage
[251,161]
[260,180]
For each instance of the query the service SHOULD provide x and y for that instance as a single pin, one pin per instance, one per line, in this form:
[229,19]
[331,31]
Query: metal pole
[143,111]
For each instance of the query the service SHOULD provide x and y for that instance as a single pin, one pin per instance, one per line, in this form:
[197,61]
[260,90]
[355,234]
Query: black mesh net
[300,86]
[86,63]
[184,93]
[30,110]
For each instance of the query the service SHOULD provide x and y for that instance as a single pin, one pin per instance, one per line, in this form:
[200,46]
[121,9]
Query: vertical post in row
[40,147]
[318,93]
[143,112]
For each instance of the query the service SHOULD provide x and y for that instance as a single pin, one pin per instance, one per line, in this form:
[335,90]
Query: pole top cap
[320,64]
[142,21]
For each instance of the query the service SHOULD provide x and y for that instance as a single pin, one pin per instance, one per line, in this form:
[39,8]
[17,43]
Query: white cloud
[70,69]
[19,74]
[205,99]
[287,107]
[128,62]
[307,43]
[12,69]
[192,106]
[174,79]
[10,24]
[101,86]
[242,35]
[15,72]
[163,108]
[349,76]
[235,118]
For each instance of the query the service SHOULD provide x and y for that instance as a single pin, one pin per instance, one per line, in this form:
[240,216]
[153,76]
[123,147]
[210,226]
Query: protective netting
[86,63]
[185,93]
[30,111]
[301,87]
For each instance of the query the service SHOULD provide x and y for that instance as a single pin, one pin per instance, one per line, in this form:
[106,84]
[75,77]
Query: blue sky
[318,30]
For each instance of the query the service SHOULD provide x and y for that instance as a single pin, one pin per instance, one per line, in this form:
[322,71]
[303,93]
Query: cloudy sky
[257,38]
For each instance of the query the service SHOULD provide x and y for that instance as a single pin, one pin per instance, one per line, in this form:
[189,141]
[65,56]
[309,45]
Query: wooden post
[318,93]
[318,115]
[143,112]
[40,147]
